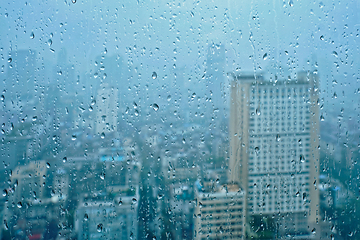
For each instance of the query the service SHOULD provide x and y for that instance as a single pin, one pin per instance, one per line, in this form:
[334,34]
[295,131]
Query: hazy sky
[155,35]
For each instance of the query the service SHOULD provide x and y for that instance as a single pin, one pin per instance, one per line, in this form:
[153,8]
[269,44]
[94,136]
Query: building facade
[274,146]
[220,214]
[107,109]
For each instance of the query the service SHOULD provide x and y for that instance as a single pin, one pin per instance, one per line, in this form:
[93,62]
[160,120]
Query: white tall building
[274,146]
[107,109]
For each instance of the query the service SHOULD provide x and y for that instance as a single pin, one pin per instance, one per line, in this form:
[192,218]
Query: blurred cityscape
[106,155]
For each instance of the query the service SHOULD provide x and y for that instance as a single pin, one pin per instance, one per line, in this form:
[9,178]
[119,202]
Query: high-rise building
[215,76]
[21,79]
[107,109]
[220,214]
[274,146]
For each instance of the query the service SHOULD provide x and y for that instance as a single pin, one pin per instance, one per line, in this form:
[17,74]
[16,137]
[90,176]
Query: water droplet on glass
[64,159]
[102,135]
[302,158]
[99,227]
[278,137]
[6,227]
[102,176]
[304,196]
[19,205]
[257,149]
[322,118]
[136,112]
[265,56]
[335,54]
[193,96]
[322,37]
[291,3]
[73,1]
[34,118]
[155,107]
[257,111]
[134,201]
[154,75]
[9,60]
[48,165]
[32,35]
[73,137]
[86,217]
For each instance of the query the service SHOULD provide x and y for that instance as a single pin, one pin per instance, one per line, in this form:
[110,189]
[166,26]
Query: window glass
[179,119]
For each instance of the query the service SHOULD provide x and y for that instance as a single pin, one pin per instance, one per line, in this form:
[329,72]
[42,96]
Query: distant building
[106,110]
[107,217]
[220,214]
[215,79]
[274,147]
[21,78]
[108,196]
[31,206]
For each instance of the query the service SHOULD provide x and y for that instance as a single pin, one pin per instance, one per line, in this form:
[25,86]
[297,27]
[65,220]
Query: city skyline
[179,119]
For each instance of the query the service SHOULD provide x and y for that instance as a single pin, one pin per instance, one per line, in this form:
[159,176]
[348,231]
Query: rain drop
[155,107]
[99,227]
[265,56]
[154,75]
[102,176]
[32,35]
[278,137]
[257,149]
[86,217]
[6,227]
[102,135]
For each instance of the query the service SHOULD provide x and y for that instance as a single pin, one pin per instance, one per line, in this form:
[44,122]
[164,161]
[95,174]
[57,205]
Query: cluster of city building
[214,163]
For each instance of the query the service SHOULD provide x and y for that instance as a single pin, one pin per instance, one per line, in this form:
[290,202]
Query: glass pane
[179,119]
